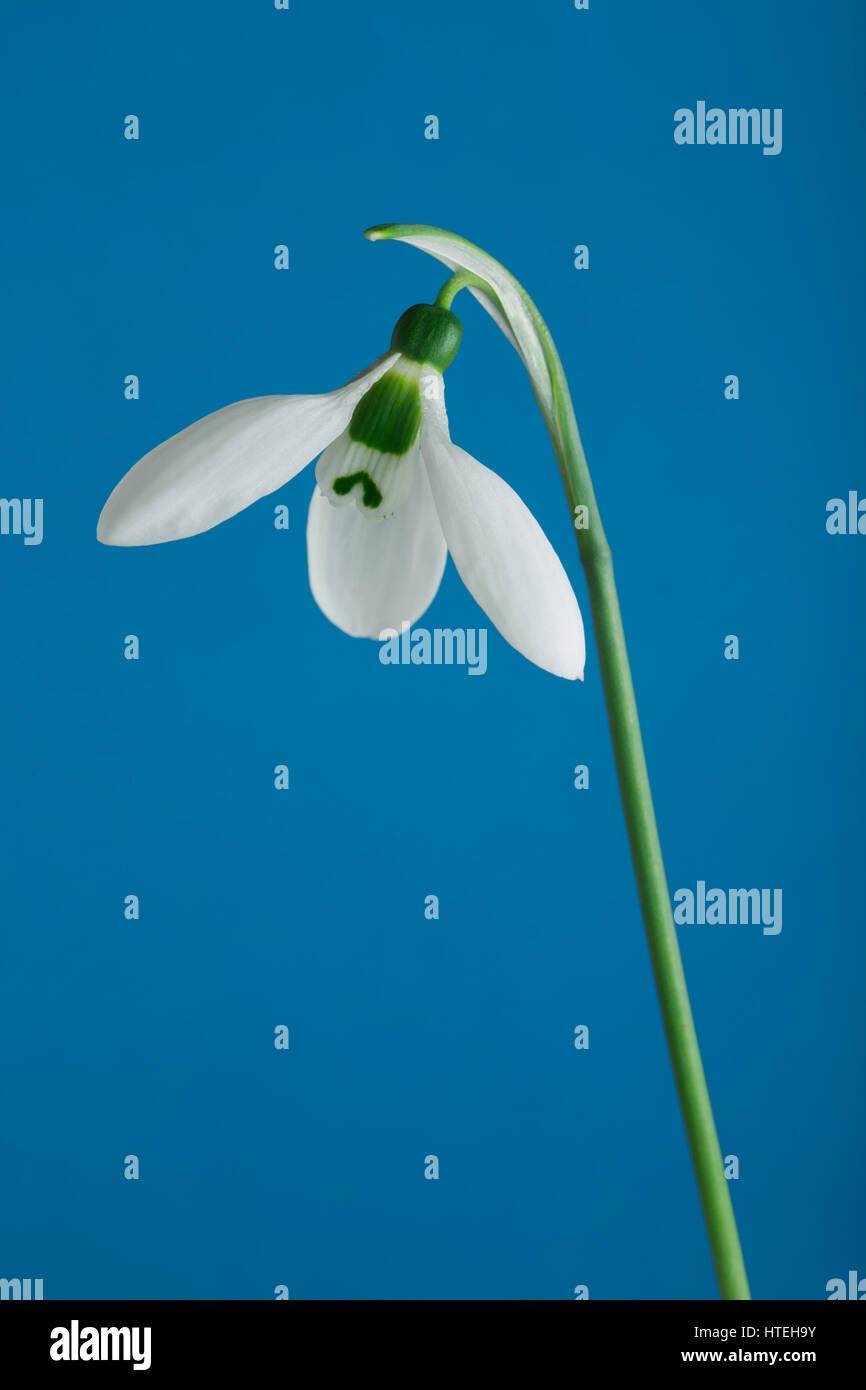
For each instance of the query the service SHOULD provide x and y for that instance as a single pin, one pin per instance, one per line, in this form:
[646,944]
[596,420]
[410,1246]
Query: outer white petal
[511,309]
[225,462]
[369,575]
[501,553]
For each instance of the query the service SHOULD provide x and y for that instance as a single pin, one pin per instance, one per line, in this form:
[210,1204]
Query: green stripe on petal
[387,419]
[353,475]
[370,493]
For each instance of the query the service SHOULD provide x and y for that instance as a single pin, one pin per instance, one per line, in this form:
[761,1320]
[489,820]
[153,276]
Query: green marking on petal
[388,418]
[343,486]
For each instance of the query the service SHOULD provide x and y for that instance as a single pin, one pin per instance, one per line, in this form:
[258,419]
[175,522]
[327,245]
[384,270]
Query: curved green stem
[464,279]
[650,873]
[640,821]
[511,307]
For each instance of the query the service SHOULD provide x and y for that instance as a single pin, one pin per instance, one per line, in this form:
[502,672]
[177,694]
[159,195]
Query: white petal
[509,306]
[225,462]
[392,476]
[366,575]
[501,553]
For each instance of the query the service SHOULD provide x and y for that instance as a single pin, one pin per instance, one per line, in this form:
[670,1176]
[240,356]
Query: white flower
[394,495]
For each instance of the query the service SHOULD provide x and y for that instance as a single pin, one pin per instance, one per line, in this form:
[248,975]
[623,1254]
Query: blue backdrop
[410,1037]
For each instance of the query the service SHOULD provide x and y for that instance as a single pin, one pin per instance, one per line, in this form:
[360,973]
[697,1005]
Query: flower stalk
[648,863]
[509,304]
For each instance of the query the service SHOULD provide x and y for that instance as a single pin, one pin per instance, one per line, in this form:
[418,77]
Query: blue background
[306,908]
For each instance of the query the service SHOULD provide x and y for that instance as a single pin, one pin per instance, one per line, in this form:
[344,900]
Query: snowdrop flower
[393,496]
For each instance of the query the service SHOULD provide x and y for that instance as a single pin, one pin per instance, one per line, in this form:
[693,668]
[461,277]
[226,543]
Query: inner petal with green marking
[372,463]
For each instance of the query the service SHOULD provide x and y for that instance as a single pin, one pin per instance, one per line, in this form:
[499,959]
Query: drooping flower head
[394,495]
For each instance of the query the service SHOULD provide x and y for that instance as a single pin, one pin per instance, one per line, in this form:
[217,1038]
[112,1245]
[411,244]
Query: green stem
[461,281]
[640,818]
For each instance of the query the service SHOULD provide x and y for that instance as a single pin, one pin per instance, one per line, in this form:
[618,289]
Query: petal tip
[111,531]
[568,673]
[577,667]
